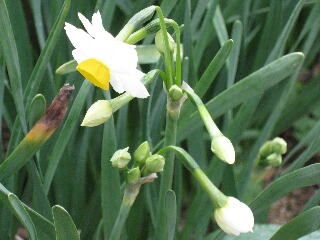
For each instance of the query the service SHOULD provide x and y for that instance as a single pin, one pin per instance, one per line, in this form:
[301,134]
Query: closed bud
[133,175]
[280,145]
[121,158]
[154,164]
[223,148]
[142,153]
[160,42]
[98,113]
[175,93]
[235,217]
[270,152]
[274,159]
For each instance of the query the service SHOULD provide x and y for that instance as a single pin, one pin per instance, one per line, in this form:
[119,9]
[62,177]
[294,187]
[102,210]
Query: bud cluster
[144,164]
[271,152]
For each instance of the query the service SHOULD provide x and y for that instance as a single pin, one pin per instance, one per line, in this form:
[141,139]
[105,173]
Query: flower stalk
[131,192]
[232,216]
[220,144]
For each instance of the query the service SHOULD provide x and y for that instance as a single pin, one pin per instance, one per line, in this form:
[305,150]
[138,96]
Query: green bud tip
[223,148]
[142,153]
[121,158]
[98,113]
[274,160]
[154,164]
[175,93]
[160,42]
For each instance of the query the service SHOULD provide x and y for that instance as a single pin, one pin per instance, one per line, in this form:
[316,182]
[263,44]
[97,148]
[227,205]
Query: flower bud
[274,160]
[121,158]
[98,113]
[235,217]
[280,145]
[175,93]
[142,153]
[154,164]
[160,42]
[133,175]
[270,152]
[223,148]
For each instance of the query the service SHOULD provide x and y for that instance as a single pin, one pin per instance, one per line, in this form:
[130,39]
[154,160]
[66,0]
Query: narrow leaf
[171,212]
[303,177]
[44,228]
[249,87]
[300,226]
[22,215]
[11,57]
[65,228]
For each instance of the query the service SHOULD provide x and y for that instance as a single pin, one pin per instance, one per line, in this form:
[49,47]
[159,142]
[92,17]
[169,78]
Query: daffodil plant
[167,123]
[105,60]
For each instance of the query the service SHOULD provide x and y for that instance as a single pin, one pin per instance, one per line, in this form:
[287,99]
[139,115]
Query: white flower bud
[223,148]
[235,217]
[98,113]
[121,158]
[160,42]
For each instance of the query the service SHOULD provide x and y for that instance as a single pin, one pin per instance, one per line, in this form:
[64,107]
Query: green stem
[216,196]
[130,194]
[167,175]
[205,115]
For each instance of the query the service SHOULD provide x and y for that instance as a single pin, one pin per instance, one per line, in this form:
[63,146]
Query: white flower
[102,59]
[98,113]
[235,217]
[223,148]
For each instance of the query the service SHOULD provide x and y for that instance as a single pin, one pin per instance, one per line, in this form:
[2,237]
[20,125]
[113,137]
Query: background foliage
[263,90]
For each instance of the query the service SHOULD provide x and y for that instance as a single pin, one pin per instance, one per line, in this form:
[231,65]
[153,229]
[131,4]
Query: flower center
[96,72]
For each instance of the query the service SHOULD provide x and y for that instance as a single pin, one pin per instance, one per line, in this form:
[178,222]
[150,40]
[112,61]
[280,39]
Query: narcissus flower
[235,217]
[102,59]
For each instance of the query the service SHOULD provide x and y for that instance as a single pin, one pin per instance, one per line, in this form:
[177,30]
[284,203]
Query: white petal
[131,83]
[87,25]
[97,22]
[116,83]
[78,37]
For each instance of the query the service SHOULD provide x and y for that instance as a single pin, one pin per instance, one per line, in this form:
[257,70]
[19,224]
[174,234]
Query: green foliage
[242,58]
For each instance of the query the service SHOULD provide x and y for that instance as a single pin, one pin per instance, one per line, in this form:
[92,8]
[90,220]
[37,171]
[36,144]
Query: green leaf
[65,228]
[213,69]
[249,87]
[262,232]
[110,190]
[279,47]
[303,177]
[37,109]
[65,134]
[22,215]
[220,26]
[44,228]
[11,57]
[43,60]
[301,225]
[171,213]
